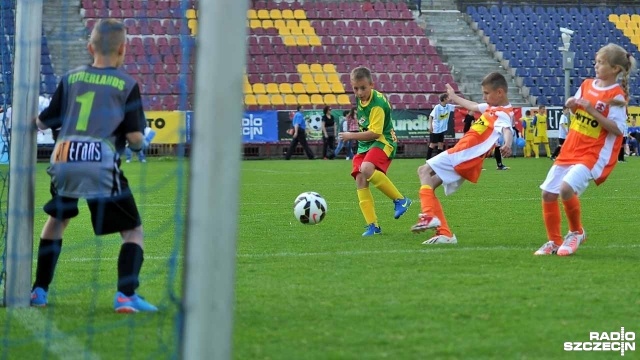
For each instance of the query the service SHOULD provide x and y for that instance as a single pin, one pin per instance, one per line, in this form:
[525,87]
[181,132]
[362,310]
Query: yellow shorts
[541,139]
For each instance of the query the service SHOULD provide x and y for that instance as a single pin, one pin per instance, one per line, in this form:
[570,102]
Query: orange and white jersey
[587,142]
[468,154]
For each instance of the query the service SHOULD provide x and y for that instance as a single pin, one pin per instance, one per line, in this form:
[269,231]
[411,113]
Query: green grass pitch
[324,292]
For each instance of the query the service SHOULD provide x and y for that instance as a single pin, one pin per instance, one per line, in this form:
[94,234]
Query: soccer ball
[520,143]
[309,208]
[315,122]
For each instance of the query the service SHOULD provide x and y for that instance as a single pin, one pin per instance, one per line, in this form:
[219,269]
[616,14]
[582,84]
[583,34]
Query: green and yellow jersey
[375,115]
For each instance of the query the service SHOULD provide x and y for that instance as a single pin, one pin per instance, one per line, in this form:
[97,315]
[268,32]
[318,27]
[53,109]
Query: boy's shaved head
[107,36]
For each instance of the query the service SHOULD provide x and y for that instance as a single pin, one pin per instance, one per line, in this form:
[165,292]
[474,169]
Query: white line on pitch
[62,345]
[431,249]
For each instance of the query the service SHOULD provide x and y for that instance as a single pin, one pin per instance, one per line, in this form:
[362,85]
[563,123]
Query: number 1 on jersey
[86,103]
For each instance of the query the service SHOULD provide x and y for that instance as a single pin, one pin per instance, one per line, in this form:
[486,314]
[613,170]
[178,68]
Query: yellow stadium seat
[279,24]
[252,14]
[324,88]
[635,18]
[333,77]
[296,31]
[259,88]
[303,99]
[264,100]
[304,24]
[614,18]
[329,68]
[267,24]
[628,32]
[292,23]
[343,99]
[263,14]
[250,100]
[193,25]
[275,14]
[307,78]
[247,88]
[337,88]
[303,68]
[308,31]
[315,68]
[284,31]
[316,99]
[625,18]
[289,40]
[319,78]
[277,100]
[254,24]
[287,14]
[302,40]
[330,99]
[314,41]
[298,88]
[311,88]
[290,100]
[272,88]
[191,13]
[285,88]
[300,14]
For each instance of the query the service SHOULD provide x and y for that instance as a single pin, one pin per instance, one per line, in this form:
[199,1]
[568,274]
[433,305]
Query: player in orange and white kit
[590,150]
[464,161]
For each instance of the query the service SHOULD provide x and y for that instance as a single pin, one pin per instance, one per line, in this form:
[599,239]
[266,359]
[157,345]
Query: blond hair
[495,80]
[361,73]
[107,36]
[616,55]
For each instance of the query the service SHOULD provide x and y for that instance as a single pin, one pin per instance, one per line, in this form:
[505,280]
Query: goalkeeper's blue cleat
[372,229]
[401,206]
[39,297]
[131,304]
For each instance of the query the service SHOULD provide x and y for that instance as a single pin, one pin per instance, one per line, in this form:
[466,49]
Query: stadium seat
[330,99]
[277,100]
[250,99]
[259,88]
[264,100]
[290,100]
[272,88]
[316,99]
[303,99]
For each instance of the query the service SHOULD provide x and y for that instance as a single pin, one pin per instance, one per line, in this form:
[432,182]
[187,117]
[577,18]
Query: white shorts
[443,167]
[577,176]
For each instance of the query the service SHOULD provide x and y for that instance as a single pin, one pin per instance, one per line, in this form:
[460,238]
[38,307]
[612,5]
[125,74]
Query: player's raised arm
[467,104]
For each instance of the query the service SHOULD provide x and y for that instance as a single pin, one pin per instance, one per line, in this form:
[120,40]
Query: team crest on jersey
[361,120]
[600,106]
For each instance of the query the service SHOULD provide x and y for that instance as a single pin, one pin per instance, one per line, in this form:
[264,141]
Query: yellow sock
[384,184]
[366,206]
[536,150]
[548,150]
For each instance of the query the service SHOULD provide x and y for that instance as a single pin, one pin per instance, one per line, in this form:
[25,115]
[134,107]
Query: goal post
[214,186]
[26,89]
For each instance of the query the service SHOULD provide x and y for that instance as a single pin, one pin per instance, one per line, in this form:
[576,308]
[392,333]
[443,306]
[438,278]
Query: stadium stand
[529,37]
[47,77]
[160,46]
[301,53]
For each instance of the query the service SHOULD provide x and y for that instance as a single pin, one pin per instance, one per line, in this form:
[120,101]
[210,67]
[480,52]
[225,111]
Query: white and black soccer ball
[309,208]
[315,122]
